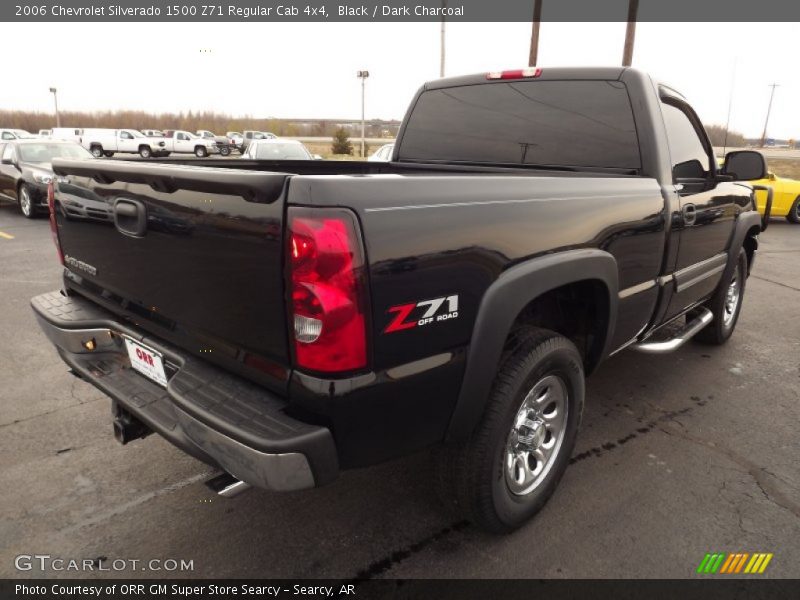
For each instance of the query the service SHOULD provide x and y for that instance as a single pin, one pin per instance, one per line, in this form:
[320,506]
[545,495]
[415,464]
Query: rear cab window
[571,123]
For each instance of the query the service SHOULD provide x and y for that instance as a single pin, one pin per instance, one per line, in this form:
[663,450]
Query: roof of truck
[551,73]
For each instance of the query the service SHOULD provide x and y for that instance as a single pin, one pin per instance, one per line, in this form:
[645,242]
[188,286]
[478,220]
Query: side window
[689,158]
[8,135]
[125,135]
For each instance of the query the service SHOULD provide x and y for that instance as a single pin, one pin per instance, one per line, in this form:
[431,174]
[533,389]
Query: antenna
[730,104]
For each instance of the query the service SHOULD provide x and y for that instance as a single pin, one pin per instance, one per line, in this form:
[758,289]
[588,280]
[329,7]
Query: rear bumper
[216,417]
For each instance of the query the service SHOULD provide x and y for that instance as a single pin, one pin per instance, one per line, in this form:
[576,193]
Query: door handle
[130,217]
[689,214]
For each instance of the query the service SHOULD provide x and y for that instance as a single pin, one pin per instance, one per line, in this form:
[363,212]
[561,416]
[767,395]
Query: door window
[689,157]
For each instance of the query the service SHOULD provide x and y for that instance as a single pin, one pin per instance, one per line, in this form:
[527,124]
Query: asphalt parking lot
[679,455]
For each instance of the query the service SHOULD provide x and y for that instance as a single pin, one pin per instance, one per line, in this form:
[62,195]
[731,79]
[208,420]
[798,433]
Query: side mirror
[745,165]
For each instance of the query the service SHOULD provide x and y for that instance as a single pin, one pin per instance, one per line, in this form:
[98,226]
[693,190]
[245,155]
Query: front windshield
[284,151]
[45,152]
[136,134]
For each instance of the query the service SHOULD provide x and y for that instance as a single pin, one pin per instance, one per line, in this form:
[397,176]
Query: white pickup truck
[186,142]
[106,142]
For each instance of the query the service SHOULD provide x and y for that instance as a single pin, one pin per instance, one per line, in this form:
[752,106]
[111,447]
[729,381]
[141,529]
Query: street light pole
[630,33]
[54,91]
[769,109]
[362,75]
[442,42]
[533,56]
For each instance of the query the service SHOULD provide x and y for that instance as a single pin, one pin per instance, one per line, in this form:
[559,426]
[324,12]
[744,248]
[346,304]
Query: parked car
[15,134]
[532,223]
[186,142]
[236,139]
[382,154]
[249,136]
[26,171]
[785,199]
[107,142]
[278,149]
[224,144]
[67,133]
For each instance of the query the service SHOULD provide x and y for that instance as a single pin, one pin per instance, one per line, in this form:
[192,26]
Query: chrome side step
[227,485]
[680,338]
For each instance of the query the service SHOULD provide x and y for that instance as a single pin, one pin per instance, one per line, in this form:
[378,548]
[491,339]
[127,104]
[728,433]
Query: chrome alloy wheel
[732,298]
[536,435]
[25,202]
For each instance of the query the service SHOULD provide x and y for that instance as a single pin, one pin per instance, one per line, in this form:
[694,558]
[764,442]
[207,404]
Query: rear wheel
[794,212]
[97,151]
[145,152]
[26,206]
[726,304]
[200,152]
[511,464]
[224,150]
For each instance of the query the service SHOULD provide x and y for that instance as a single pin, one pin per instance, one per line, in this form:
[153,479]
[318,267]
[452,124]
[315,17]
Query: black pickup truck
[285,320]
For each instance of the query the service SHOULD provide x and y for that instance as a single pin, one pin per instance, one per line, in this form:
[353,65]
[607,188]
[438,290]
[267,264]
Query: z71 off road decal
[425,312]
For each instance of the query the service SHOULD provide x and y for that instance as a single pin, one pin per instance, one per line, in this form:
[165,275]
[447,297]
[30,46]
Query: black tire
[225,150]
[25,200]
[794,212]
[145,152]
[474,477]
[97,151]
[108,154]
[200,152]
[725,316]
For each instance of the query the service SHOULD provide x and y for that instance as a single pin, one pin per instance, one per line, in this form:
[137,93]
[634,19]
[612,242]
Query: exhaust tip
[227,485]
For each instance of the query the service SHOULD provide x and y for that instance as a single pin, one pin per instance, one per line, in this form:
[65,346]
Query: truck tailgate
[195,251]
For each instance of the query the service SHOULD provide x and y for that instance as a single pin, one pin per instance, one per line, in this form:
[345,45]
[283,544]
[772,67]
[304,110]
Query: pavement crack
[786,285]
[50,412]
[760,475]
[666,416]
[379,567]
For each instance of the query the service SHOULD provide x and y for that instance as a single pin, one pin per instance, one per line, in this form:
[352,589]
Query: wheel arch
[507,302]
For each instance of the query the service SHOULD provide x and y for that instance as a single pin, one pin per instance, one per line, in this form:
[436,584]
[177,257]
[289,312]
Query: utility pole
[630,33]
[533,57]
[769,109]
[442,42]
[54,91]
[362,75]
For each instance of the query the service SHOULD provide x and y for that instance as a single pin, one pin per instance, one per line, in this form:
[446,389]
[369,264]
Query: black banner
[118,589]
[396,10]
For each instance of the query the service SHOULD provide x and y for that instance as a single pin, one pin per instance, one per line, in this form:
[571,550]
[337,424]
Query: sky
[308,70]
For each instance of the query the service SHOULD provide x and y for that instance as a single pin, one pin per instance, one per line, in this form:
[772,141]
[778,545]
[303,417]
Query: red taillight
[327,302]
[515,73]
[51,205]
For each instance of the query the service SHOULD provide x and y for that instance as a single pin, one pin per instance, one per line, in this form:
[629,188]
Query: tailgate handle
[130,217]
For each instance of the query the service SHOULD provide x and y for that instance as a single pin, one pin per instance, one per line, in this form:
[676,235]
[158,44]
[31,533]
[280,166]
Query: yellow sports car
[785,197]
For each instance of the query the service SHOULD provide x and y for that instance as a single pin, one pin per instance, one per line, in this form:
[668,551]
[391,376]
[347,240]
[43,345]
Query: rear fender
[504,301]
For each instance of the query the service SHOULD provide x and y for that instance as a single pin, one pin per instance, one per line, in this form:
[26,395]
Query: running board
[680,338]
